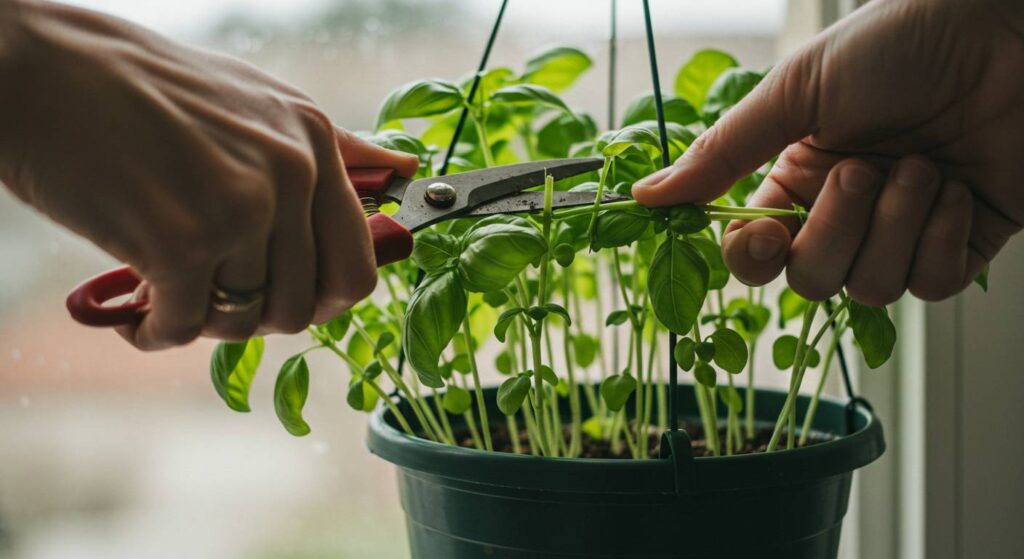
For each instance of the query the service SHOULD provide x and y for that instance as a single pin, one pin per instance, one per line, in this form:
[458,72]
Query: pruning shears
[422,203]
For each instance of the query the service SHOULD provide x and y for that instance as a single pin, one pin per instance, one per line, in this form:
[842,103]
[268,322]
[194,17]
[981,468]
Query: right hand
[929,92]
[194,168]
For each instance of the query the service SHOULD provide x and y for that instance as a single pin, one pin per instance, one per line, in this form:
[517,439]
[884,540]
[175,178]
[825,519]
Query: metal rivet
[440,195]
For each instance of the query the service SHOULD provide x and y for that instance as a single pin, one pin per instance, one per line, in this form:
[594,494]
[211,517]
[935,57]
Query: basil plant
[518,294]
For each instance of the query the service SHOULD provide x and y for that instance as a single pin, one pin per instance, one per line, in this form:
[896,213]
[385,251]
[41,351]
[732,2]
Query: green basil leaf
[457,400]
[398,140]
[555,308]
[614,142]
[232,368]
[677,110]
[556,68]
[512,392]
[696,76]
[615,390]
[383,342]
[460,363]
[784,351]
[496,299]
[750,319]
[503,363]
[496,249]
[705,374]
[686,219]
[874,332]
[730,350]
[791,306]
[617,228]
[557,137]
[677,283]
[616,318]
[355,397]
[337,327]
[373,370]
[436,310]
[290,393]
[434,251]
[537,313]
[504,321]
[729,88]
[564,254]
[531,95]
[420,99]
[547,374]
[584,349]
[731,398]
[982,278]
[686,353]
[490,81]
[718,272]
[705,351]
[812,359]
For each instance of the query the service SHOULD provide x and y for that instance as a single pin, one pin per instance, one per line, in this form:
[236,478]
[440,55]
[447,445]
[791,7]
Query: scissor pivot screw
[440,195]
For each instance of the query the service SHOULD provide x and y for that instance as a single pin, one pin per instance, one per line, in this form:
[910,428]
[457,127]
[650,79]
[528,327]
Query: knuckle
[874,294]
[809,285]
[298,168]
[179,334]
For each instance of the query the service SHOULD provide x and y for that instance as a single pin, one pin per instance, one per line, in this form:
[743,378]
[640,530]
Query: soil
[599,448]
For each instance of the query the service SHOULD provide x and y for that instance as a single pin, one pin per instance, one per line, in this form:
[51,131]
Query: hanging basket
[464,503]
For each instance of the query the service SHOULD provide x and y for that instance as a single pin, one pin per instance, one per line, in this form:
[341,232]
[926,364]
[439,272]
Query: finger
[757,257]
[291,254]
[990,230]
[347,269]
[178,301]
[245,271]
[940,263]
[824,250]
[880,272]
[357,152]
[778,112]
[756,253]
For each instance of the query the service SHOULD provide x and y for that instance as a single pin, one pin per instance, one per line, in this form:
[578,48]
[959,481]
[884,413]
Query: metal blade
[534,202]
[476,188]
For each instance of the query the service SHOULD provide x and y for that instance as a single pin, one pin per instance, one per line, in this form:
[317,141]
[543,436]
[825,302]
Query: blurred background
[110,453]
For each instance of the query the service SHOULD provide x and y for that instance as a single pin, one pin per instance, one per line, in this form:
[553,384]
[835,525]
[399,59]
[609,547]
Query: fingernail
[953,194]
[858,179]
[653,178]
[913,173]
[763,248]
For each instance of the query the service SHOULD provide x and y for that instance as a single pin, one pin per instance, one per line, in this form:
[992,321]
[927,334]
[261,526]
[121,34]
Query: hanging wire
[854,399]
[472,89]
[673,367]
[613,56]
[458,131]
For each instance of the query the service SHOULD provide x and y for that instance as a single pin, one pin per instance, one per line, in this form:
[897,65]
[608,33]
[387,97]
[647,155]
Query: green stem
[480,404]
[480,121]
[716,213]
[812,408]
[576,428]
[444,416]
[799,364]
[593,210]
[391,405]
[513,433]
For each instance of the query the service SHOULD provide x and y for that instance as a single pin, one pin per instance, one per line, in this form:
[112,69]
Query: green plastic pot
[468,504]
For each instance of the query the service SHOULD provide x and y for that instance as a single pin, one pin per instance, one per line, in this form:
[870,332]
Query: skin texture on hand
[194,168]
[901,128]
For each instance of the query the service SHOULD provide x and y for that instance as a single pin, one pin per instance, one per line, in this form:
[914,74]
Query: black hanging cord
[673,367]
[472,89]
[854,399]
[613,56]
[458,129]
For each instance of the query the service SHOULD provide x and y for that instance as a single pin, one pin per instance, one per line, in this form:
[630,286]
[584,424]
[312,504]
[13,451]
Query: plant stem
[592,210]
[576,428]
[513,433]
[716,213]
[826,366]
[480,404]
[443,415]
[480,121]
[799,364]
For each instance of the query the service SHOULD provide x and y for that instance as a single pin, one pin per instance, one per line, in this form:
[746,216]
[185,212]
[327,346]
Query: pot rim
[838,456]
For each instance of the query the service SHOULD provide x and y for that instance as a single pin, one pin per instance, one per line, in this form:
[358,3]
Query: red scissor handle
[86,303]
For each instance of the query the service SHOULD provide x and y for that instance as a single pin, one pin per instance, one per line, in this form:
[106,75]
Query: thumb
[358,152]
[779,111]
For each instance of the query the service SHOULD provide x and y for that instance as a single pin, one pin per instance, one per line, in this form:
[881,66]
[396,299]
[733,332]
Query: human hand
[901,127]
[196,169]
